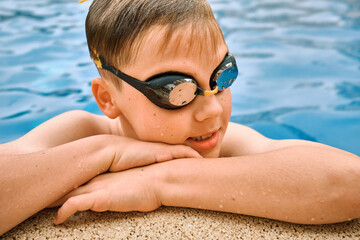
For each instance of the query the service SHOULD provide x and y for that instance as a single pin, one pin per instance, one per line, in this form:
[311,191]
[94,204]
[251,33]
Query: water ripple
[16,115]
[56,93]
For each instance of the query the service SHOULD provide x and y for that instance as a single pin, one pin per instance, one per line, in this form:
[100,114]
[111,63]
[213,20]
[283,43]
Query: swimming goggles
[173,90]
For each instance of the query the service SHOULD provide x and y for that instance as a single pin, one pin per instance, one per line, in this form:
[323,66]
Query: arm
[32,181]
[37,171]
[297,181]
[302,184]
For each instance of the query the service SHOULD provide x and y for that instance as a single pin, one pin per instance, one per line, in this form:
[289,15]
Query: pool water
[299,64]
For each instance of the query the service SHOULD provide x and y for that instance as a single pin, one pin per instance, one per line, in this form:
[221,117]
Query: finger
[177,151]
[72,205]
[63,199]
[185,152]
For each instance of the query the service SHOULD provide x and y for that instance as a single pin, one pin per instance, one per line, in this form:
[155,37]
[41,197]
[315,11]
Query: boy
[165,90]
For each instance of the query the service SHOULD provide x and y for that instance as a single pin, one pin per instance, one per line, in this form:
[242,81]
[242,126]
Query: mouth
[202,138]
[205,142]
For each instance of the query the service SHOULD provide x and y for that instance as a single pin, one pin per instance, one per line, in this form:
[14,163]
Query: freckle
[129,99]
[154,114]
[142,169]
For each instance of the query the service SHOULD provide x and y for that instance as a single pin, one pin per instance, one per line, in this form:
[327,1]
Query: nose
[208,107]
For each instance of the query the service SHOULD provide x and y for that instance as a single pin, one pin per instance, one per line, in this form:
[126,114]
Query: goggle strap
[101,63]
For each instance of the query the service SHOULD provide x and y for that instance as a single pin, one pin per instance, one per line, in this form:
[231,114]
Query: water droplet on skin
[241,193]
[199,206]
[162,134]
[322,201]
[221,206]
[269,190]
[312,219]
[286,217]
[264,193]
[349,219]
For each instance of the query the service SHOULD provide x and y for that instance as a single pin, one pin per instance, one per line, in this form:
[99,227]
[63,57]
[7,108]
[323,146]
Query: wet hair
[115,29]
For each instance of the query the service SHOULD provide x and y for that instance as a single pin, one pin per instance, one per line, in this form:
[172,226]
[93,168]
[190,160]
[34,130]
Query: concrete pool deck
[174,223]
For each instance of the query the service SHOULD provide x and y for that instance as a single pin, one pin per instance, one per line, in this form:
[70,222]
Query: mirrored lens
[173,95]
[224,78]
[182,94]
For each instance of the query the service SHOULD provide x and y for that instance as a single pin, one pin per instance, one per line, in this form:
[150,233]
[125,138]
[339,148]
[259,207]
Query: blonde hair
[116,28]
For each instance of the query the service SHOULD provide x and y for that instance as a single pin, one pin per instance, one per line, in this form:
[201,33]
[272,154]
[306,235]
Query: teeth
[201,138]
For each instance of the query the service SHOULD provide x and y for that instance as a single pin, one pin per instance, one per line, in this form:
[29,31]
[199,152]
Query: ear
[105,100]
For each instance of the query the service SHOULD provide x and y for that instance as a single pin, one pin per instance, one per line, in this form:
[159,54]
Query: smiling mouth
[201,138]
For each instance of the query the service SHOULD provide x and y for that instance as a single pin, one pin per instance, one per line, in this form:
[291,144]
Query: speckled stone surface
[174,223]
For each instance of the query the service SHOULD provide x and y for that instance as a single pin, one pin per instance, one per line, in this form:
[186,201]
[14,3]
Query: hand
[135,153]
[125,191]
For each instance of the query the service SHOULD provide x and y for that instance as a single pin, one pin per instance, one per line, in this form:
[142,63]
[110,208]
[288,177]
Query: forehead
[200,42]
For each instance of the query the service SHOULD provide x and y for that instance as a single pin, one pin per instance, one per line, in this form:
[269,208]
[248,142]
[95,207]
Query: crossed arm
[291,180]
[41,167]
[308,184]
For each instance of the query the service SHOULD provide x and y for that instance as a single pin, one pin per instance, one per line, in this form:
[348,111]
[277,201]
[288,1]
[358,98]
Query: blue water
[299,65]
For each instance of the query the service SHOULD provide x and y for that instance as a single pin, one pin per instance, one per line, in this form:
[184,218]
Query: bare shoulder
[241,140]
[64,128]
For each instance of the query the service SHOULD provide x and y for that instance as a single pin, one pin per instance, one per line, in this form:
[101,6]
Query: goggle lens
[182,94]
[226,78]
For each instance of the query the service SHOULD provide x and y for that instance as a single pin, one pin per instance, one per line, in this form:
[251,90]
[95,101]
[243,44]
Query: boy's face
[201,124]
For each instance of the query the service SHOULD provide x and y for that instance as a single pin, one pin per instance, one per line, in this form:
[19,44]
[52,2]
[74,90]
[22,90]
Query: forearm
[301,184]
[31,182]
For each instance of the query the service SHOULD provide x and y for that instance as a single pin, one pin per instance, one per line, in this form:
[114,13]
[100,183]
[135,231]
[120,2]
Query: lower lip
[206,145]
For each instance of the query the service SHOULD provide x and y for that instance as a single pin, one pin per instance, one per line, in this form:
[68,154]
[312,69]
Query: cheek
[162,126]
[226,103]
